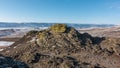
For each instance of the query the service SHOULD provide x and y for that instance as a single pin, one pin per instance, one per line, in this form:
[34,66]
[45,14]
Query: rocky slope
[61,46]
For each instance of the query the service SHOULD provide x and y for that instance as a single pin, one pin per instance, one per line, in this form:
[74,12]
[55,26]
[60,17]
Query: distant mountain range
[38,25]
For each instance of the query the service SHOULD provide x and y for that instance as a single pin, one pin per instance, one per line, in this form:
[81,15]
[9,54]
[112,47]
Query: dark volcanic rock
[61,46]
[8,62]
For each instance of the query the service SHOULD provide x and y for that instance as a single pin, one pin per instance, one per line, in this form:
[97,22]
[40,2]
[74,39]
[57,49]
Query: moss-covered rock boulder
[42,35]
[58,28]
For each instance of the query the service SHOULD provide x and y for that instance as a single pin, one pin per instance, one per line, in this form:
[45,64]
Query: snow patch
[5,43]
[15,46]
[1,49]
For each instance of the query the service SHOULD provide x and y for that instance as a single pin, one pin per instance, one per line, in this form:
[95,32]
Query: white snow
[15,46]
[5,43]
[1,49]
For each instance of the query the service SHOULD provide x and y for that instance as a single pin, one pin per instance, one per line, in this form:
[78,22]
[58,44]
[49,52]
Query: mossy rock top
[58,28]
[42,35]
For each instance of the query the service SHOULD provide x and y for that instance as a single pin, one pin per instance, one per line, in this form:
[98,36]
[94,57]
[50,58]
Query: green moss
[27,57]
[58,28]
[42,35]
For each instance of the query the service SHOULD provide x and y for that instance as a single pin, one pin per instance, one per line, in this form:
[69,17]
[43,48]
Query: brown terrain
[61,46]
[103,32]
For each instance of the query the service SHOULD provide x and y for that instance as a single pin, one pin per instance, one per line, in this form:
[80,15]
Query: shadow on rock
[87,38]
[6,62]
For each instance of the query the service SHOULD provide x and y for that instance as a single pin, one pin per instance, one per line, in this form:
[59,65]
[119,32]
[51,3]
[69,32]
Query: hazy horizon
[61,11]
[63,23]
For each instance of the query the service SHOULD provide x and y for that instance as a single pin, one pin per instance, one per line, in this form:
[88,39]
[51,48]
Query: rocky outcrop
[61,46]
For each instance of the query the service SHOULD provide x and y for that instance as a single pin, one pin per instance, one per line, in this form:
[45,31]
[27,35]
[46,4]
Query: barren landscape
[59,34]
[103,32]
[16,34]
[61,46]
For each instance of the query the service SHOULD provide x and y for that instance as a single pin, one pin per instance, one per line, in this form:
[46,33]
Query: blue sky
[61,11]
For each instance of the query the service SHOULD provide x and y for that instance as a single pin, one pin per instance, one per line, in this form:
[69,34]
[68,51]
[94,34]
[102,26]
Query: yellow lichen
[26,57]
[42,35]
[58,28]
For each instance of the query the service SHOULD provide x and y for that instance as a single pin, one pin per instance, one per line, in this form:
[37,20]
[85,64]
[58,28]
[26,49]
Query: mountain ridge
[61,46]
[37,25]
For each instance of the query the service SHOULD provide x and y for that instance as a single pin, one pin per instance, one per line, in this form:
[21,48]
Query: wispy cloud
[115,4]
